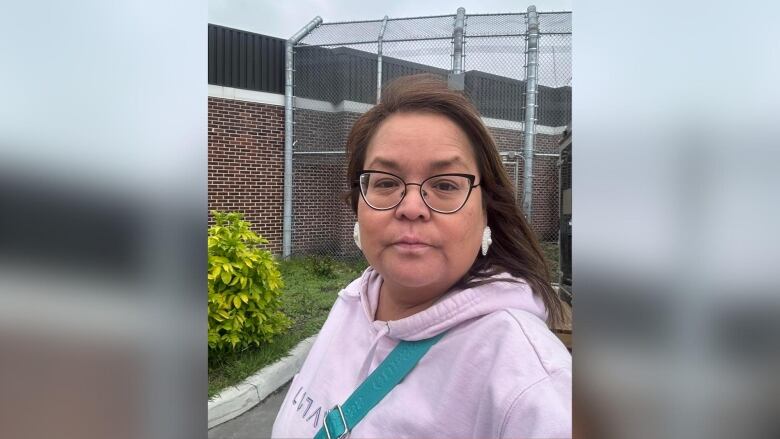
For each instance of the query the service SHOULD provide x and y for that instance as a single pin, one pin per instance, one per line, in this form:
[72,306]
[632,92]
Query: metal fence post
[288,134]
[379,61]
[456,79]
[532,56]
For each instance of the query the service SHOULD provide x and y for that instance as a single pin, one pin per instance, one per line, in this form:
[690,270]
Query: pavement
[254,424]
[257,394]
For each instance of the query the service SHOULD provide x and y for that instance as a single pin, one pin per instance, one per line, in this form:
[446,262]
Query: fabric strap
[340,420]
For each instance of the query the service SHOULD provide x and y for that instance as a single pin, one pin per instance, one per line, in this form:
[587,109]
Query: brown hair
[515,249]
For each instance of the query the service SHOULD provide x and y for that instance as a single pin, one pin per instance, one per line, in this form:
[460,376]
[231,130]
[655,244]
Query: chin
[412,273]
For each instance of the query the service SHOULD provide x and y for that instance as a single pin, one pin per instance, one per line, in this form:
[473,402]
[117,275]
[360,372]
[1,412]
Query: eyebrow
[435,166]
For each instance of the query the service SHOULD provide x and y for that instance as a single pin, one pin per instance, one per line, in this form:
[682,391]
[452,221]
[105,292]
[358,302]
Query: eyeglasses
[443,193]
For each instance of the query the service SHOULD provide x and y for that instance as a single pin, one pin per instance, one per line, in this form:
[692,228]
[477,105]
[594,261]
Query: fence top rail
[496,14]
[355,43]
[333,23]
[380,20]
[492,14]
[431,27]
[422,17]
[401,40]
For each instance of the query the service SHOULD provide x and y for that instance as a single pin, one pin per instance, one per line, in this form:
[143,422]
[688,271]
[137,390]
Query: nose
[412,206]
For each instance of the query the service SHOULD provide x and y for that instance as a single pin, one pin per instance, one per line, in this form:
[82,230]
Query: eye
[385,183]
[445,185]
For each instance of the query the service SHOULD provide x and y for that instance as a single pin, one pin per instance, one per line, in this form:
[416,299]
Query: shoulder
[523,370]
[540,404]
[539,340]
[522,338]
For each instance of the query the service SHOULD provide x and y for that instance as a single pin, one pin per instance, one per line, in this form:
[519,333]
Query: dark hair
[515,249]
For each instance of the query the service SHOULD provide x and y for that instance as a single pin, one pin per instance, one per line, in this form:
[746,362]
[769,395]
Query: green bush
[244,286]
[322,266]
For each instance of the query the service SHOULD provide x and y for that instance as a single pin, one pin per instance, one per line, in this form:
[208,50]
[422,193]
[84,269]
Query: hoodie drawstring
[370,355]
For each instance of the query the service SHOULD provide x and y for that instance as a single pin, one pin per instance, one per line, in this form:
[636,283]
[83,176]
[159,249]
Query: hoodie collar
[453,308]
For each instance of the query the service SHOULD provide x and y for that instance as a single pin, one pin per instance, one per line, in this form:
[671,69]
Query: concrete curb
[237,399]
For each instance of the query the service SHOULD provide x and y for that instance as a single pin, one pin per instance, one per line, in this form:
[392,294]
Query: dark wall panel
[247,60]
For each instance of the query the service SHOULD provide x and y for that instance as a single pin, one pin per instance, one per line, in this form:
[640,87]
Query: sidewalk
[256,423]
[234,401]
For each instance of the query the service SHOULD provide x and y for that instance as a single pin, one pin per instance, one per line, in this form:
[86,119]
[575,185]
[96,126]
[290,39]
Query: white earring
[356,235]
[486,240]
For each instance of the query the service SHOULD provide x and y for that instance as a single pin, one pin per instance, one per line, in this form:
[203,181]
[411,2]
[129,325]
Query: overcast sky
[283,18]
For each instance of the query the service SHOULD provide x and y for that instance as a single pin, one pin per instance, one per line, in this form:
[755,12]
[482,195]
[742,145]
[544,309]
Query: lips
[410,243]
[410,240]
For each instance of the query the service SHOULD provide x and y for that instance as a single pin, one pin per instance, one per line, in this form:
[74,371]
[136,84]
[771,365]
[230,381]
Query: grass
[311,286]
[552,253]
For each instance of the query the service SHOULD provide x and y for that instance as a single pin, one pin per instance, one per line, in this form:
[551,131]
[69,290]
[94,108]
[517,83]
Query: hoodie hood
[453,308]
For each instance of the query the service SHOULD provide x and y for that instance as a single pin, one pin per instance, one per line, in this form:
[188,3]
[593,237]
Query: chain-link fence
[338,68]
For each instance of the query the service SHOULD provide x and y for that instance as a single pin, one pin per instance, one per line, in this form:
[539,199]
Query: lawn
[311,286]
[552,253]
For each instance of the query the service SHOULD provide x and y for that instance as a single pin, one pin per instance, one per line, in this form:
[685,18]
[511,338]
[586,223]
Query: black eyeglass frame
[470,177]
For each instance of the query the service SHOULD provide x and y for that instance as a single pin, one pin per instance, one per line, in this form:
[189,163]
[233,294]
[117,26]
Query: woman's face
[411,246]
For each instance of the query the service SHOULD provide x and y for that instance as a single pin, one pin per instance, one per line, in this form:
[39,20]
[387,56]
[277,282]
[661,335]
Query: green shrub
[244,286]
[322,266]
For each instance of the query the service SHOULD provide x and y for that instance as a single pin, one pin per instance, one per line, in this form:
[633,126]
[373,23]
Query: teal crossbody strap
[341,419]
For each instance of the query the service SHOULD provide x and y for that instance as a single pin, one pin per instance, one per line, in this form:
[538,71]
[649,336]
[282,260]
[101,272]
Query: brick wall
[322,221]
[544,208]
[246,164]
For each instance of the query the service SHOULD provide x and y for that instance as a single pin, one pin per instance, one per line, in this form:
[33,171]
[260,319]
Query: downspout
[379,61]
[288,133]
[456,80]
[532,56]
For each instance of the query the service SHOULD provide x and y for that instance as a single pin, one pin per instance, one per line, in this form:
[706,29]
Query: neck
[394,303]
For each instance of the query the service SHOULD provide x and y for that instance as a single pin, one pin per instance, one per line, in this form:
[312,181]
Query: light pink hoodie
[499,371]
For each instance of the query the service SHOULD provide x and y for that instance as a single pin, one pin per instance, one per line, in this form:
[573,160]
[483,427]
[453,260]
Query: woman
[451,260]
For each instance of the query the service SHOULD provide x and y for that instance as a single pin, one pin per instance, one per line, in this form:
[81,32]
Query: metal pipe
[457,35]
[517,177]
[288,133]
[379,61]
[532,53]
[319,152]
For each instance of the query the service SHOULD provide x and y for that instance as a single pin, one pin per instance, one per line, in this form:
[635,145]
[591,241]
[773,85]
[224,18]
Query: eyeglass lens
[443,193]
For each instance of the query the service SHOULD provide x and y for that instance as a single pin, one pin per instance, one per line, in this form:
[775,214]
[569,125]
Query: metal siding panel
[220,58]
[250,62]
[242,60]
[212,62]
[234,54]
[272,77]
[279,72]
[255,84]
[275,67]
[264,76]
[261,75]
[276,77]
[245,59]
[228,57]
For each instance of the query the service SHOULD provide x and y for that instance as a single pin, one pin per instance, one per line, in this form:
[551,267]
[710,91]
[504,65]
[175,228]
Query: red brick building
[246,141]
